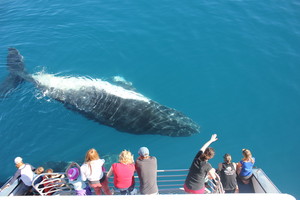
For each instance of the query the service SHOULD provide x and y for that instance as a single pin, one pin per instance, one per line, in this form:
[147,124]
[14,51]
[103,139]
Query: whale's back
[114,106]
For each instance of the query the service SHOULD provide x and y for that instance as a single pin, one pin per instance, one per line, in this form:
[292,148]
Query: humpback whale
[111,105]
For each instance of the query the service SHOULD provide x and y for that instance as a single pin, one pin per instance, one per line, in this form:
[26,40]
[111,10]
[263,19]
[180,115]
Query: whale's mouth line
[78,83]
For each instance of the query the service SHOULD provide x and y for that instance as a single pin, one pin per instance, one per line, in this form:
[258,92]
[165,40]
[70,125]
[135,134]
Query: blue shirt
[246,167]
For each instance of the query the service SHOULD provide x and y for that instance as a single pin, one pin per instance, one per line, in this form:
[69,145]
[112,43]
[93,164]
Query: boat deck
[170,183]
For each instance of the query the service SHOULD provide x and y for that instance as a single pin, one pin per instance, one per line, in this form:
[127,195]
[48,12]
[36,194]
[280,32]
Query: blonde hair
[39,170]
[91,154]
[126,157]
[247,155]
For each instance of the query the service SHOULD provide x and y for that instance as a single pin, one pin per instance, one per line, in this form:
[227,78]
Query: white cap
[18,160]
[143,151]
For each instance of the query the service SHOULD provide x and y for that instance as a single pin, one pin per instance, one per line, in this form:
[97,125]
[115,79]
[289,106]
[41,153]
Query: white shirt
[78,184]
[93,174]
[26,175]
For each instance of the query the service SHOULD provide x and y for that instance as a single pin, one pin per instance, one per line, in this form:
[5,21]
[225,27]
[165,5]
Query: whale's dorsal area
[77,83]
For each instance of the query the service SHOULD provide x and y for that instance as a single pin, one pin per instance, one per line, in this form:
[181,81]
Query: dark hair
[227,158]
[208,154]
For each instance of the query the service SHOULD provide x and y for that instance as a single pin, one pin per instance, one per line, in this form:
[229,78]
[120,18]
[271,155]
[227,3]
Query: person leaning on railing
[146,167]
[91,170]
[123,174]
[200,168]
[25,173]
[227,171]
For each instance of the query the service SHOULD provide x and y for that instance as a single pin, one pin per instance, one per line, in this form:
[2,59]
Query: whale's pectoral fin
[10,84]
[15,66]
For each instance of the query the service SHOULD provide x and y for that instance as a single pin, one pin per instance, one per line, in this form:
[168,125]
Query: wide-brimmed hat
[73,173]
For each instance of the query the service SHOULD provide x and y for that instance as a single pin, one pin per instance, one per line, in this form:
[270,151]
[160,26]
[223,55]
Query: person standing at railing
[92,171]
[245,166]
[146,167]
[227,171]
[200,168]
[123,174]
[25,173]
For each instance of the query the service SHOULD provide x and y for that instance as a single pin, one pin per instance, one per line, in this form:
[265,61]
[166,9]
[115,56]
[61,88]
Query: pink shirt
[123,175]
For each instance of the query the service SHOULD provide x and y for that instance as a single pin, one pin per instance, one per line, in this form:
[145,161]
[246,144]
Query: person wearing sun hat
[146,167]
[25,173]
[73,173]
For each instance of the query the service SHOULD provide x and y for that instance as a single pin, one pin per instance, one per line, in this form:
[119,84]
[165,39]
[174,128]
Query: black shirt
[196,177]
[228,176]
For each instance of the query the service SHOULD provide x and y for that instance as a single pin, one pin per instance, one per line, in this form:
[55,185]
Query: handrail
[172,170]
[171,175]
[169,182]
[264,182]
[56,183]
[11,189]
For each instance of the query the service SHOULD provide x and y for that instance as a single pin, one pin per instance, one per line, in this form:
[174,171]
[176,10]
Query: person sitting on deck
[38,172]
[51,180]
[123,173]
[25,173]
[73,173]
[227,171]
[195,180]
[146,167]
[245,166]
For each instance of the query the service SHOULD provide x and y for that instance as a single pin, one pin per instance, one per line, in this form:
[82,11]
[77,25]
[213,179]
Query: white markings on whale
[101,101]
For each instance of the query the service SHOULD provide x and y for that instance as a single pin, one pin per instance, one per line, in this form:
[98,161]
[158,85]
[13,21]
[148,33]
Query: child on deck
[51,181]
[73,173]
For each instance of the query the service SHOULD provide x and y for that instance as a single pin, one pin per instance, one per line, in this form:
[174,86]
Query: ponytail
[247,155]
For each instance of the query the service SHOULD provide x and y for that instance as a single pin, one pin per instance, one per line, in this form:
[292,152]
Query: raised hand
[213,138]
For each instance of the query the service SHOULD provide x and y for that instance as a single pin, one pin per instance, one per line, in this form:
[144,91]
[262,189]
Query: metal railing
[169,182]
[52,184]
[172,181]
[262,183]
[13,189]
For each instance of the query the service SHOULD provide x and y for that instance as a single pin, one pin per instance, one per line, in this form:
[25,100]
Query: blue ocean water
[233,67]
